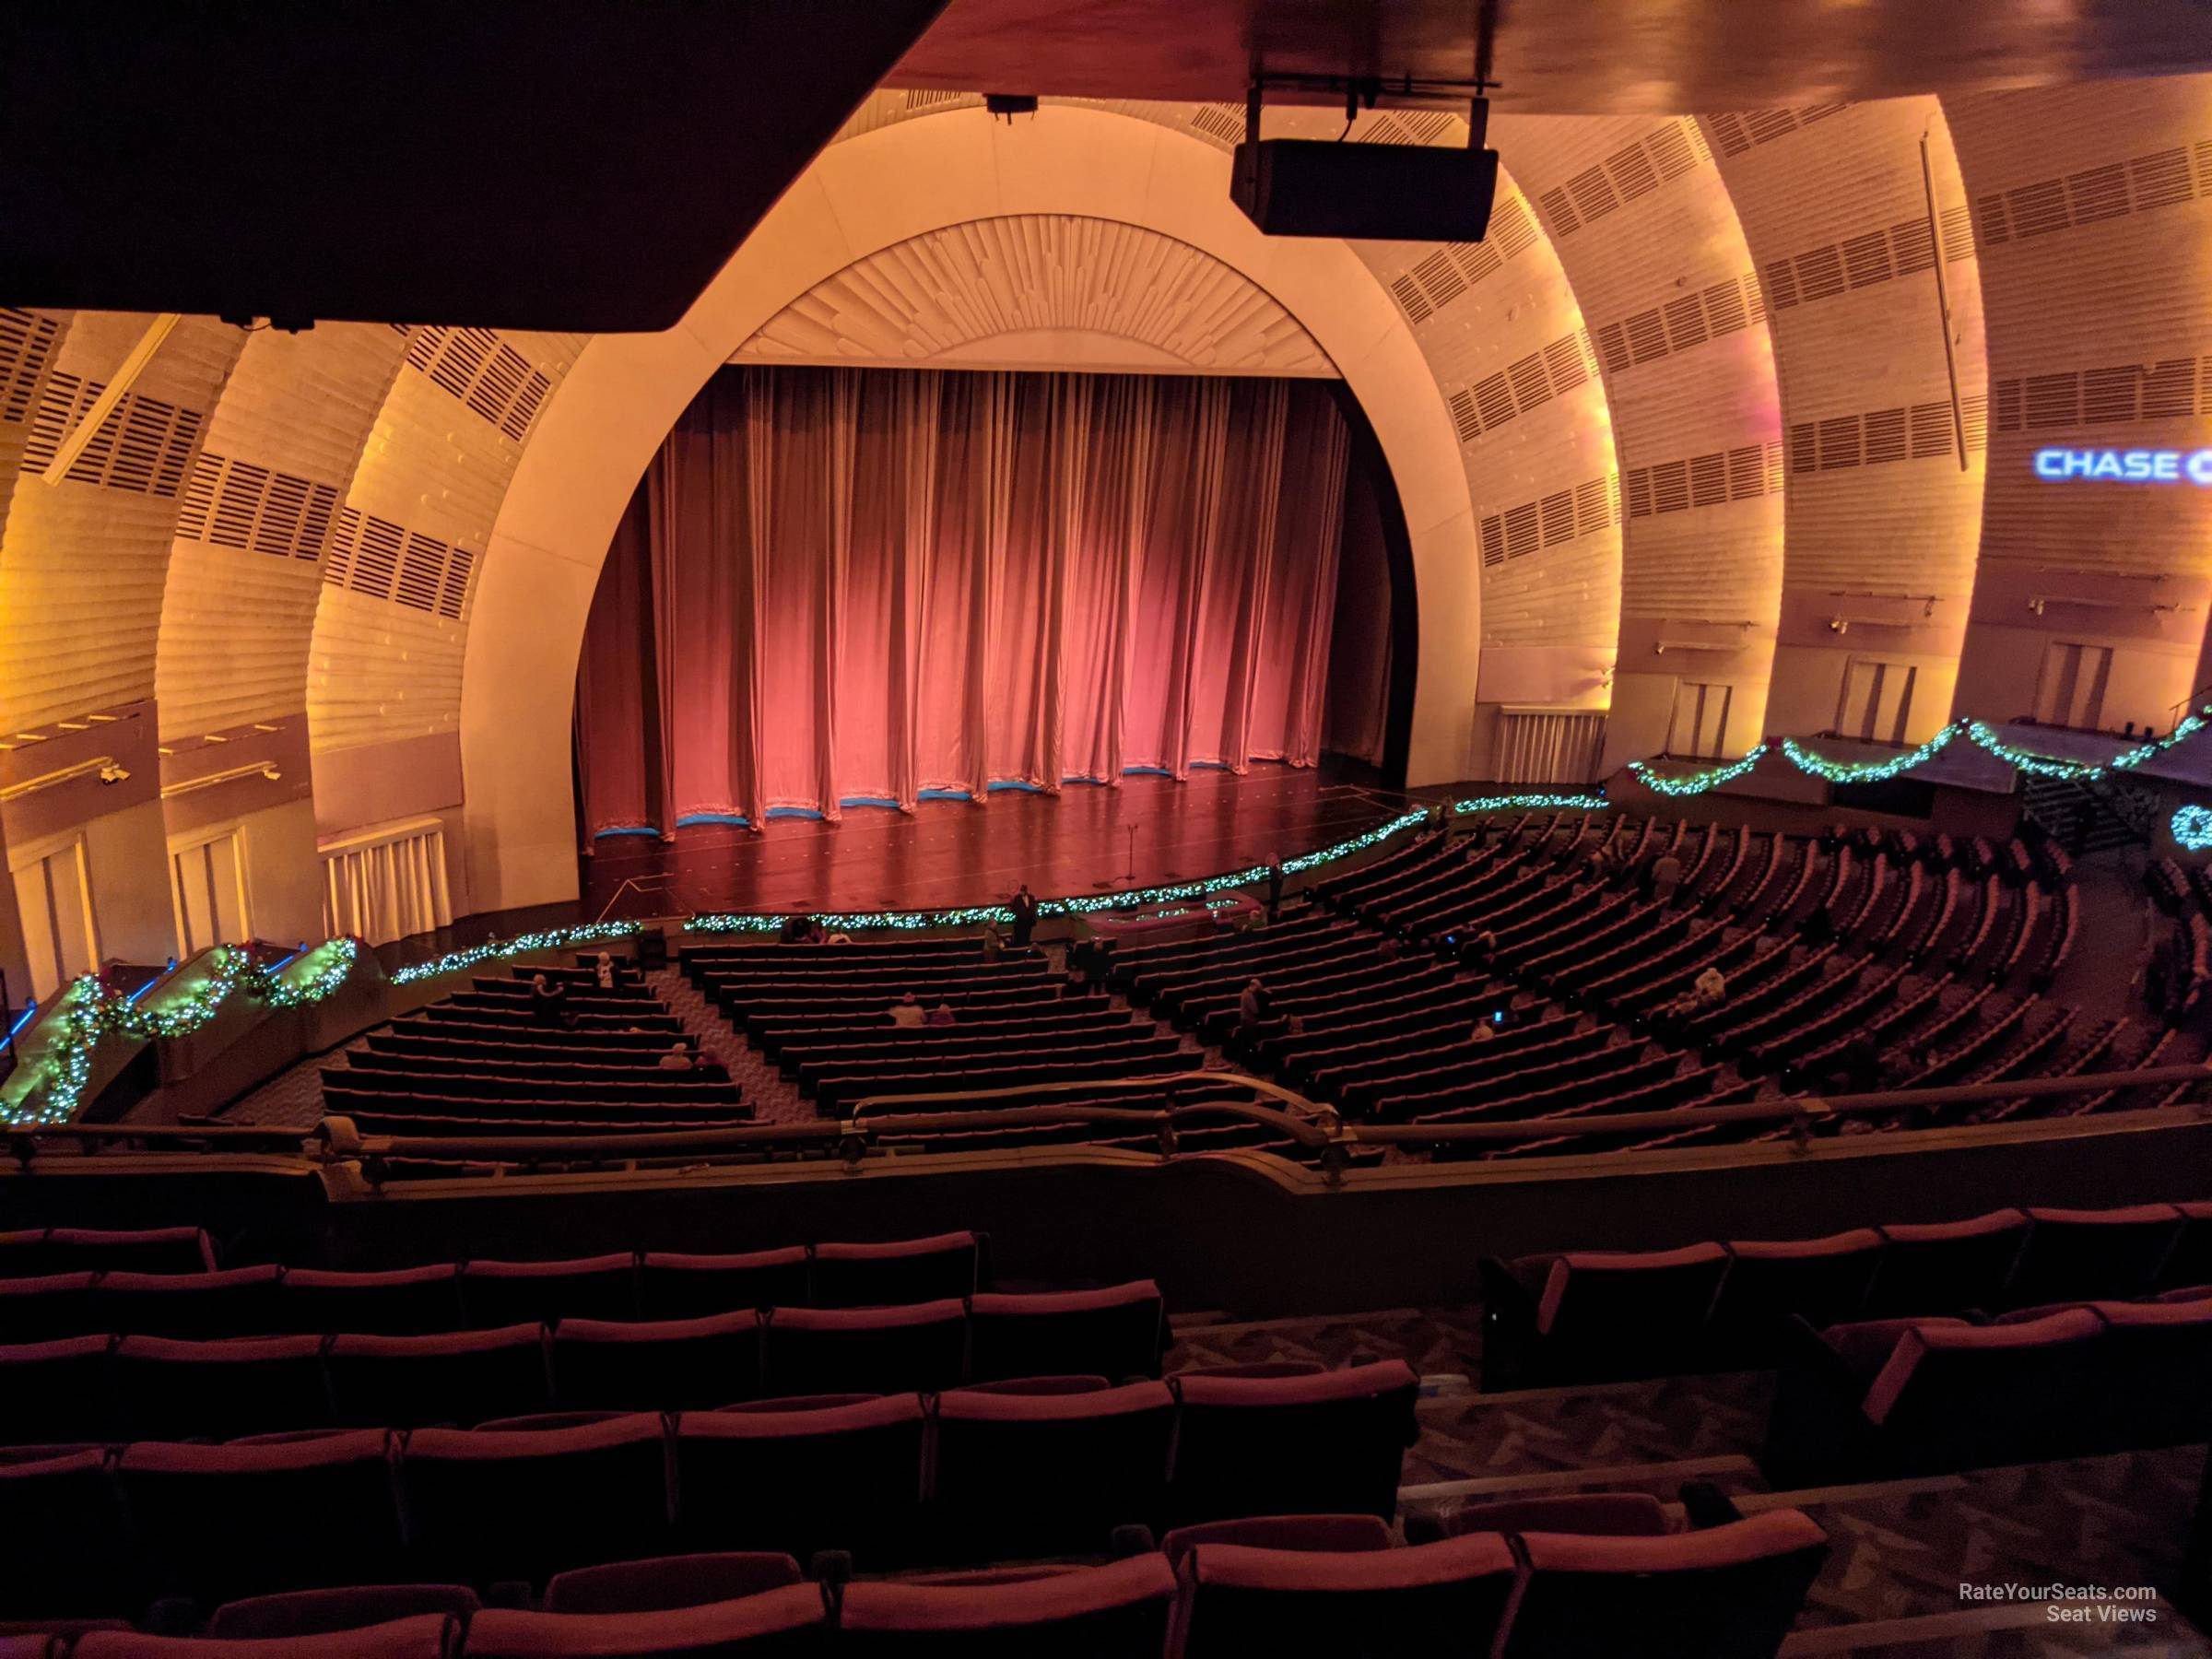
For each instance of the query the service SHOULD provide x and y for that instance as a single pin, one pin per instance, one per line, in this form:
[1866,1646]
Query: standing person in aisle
[1024,906]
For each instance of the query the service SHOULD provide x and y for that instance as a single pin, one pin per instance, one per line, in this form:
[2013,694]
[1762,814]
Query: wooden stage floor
[956,853]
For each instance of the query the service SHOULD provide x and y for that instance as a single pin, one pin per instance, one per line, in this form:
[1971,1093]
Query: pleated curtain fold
[837,586]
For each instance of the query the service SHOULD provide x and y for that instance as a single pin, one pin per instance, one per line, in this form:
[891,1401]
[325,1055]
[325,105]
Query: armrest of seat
[1706,1505]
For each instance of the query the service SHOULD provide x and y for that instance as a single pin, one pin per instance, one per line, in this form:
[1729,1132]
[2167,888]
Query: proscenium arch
[625,393]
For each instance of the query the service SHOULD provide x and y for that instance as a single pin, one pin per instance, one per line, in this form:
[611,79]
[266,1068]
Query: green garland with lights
[91,1012]
[552,938]
[1978,733]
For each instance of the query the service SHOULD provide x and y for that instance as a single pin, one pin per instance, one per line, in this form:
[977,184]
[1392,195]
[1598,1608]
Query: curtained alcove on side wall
[838,587]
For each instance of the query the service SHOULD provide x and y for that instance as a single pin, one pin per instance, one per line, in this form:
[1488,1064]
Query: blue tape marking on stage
[868,801]
[1000,785]
[690,819]
[632,830]
[1079,778]
[795,812]
[1146,771]
[1207,765]
[945,794]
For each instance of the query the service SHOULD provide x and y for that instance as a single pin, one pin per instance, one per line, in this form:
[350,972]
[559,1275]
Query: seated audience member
[1710,987]
[1666,875]
[942,1015]
[840,938]
[1390,949]
[793,931]
[815,933]
[994,942]
[603,972]
[1601,868]
[677,1058]
[906,1011]
[1484,1030]
[1484,946]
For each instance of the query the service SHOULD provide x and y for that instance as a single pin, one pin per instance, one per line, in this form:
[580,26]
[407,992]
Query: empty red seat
[64,1519]
[139,1250]
[920,1346]
[836,1477]
[2154,1376]
[910,1270]
[404,1301]
[672,1284]
[1339,1533]
[778,1622]
[684,1580]
[1967,1397]
[1945,1266]
[483,1507]
[1598,1314]
[496,1294]
[1443,1597]
[48,1305]
[224,1522]
[662,1365]
[60,1390]
[174,1390]
[1094,1613]
[425,1636]
[348,1607]
[1730,1592]
[1117,1332]
[1107,1451]
[1602,1514]
[2189,1262]
[1331,1442]
[462,1377]
[2077,1254]
[1822,1281]
[240,1301]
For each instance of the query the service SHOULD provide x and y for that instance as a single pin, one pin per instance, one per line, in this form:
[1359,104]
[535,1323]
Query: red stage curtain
[837,585]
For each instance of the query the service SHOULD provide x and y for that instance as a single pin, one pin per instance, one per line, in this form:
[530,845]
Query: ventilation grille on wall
[385,561]
[2173,389]
[1861,261]
[144,445]
[1723,308]
[1519,387]
[26,341]
[1738,475]
[1589,507]
[1452,270]
[1739,132]
[1629,173]
[1920,432]
[489,376]
[234,504]
[1222,123]
[2113,190]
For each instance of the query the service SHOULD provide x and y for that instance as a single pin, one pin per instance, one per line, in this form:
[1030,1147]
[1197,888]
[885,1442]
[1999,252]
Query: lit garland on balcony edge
[552,938]
[2192,829]
[1881,771]
[1087,904]
[91,1012]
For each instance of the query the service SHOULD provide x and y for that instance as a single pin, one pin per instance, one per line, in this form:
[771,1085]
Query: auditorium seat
[57,1567]
[1338,1533]
[144,1250]
[1821,1280]
[400,1301]
[910,1270]
[1938,1267]
[798,1480]
[1330,1443]
[174,1390]
[1118,1332]
[1596,1315]
[1446,1597]
[239,1301]
[425,1636]
[771,1624]
[42,1307]
[685,1581]
[349,1607]
[1599,1515]
[1729,1592]
[59,1389]
[485,1507]
[1039,1474]
[2075,1255]
[503,1293]
[885,1349]
[2189,1262]
[664,1365]
[459,1377]
[2154,1375]
[224,1522]
[676,1286]
[1114,1612]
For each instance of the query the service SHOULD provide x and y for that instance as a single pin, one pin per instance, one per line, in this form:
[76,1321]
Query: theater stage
[956,853]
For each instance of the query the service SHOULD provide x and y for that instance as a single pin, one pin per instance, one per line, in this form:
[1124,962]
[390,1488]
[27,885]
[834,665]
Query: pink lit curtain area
[840,586]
